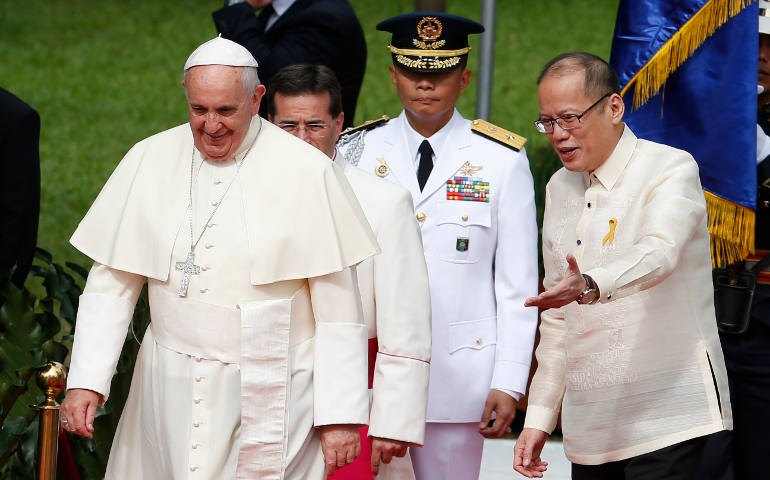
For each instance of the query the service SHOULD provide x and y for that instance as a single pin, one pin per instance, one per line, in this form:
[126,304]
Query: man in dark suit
[19,186]
[325,32]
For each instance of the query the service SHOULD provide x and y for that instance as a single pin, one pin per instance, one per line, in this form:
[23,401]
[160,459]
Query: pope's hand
[340,444]
[78,411]
[526,453]
[383,451]
[566,291]
[504,407]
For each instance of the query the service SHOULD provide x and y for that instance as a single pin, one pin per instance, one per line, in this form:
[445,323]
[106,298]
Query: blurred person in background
[286,32]
[19,186]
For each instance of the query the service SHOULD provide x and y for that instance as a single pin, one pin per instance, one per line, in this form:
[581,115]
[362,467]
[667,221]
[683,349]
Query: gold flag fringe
[648,81]
[732,230]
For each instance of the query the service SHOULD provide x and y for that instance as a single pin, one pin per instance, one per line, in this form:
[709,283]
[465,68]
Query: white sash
[257,338]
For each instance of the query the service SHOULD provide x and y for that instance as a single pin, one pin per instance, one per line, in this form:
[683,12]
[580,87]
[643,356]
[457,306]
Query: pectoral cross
[188,268]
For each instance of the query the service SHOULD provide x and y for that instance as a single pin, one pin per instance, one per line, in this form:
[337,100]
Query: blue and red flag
[688,74]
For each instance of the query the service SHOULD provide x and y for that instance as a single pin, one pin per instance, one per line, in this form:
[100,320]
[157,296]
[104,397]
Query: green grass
[105,74]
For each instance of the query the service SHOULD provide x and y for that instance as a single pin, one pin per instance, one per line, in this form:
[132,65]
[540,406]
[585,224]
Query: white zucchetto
[220,51]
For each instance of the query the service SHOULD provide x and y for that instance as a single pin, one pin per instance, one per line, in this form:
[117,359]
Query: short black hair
[600,78]
[301,78]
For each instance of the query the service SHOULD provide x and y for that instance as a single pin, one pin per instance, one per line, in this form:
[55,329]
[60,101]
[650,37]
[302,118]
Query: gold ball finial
[52,379]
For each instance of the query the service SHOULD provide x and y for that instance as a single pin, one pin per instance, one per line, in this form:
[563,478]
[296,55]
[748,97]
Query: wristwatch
[590,295]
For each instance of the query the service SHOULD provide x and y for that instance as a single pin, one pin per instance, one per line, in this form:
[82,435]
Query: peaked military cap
[429,41]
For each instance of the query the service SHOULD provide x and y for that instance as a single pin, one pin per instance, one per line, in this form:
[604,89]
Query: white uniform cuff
[510,376]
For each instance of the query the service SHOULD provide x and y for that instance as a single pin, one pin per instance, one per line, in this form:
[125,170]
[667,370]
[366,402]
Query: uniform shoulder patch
[498,134]
[367,125]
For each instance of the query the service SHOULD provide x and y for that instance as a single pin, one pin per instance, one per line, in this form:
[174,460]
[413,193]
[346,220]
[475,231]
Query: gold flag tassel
[732,230]
[650,78]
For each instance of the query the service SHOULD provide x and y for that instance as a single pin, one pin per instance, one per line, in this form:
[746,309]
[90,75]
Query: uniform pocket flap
[465,213]
[475,334]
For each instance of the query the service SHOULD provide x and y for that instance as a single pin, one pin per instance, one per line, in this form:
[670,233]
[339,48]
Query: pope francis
[255,362]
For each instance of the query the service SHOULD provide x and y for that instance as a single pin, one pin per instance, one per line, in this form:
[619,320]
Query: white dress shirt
[279,8]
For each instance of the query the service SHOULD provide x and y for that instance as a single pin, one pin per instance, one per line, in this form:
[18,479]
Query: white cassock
[396,303]
[269,340]
[482,335]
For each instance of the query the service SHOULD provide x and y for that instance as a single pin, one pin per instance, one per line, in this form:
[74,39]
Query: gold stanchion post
[52,379]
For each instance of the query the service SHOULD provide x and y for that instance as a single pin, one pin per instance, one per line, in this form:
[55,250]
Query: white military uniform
[268,342]
[482,333]
[396,302]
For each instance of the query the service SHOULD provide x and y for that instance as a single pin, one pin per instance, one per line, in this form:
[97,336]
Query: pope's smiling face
[220,109]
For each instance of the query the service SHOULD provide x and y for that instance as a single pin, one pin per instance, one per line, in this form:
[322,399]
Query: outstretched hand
[564,292]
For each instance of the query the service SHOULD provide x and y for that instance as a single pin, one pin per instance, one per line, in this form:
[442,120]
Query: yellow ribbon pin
[611,235]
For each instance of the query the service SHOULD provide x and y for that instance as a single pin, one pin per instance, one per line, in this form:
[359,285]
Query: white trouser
[452,451]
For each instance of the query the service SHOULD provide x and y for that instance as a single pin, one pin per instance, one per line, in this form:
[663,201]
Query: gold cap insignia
[429,28]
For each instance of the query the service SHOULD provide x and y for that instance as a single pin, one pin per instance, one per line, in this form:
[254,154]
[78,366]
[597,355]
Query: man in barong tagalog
[255,362]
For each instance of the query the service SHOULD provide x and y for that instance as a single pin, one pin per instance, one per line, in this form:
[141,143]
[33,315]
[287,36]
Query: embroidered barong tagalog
[473,189]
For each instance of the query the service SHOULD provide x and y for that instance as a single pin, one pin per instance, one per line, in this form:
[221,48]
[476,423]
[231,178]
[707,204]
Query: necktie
[263,17]
[426,163]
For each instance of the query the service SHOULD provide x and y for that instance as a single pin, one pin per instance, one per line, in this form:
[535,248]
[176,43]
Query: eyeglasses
[565,122]
[312,128]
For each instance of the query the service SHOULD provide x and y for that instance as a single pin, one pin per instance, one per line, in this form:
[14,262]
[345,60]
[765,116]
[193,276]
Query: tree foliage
[33,331]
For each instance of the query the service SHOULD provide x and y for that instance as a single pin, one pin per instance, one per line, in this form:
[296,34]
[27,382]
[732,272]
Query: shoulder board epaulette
[367,125]
[499,135]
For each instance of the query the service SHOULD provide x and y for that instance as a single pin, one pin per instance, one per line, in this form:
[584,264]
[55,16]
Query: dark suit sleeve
[19,186]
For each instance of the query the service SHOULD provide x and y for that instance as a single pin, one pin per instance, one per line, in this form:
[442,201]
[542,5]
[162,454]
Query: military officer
[474,201]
